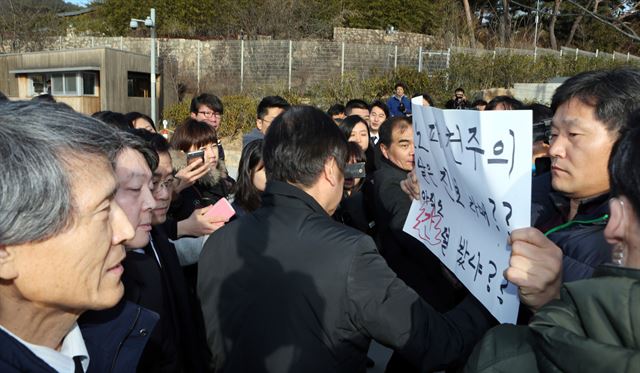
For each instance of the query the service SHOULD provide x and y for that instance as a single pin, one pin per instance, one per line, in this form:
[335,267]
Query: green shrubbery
[239,112]
[474,73]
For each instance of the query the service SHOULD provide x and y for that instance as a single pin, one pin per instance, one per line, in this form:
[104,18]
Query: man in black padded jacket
[288,289]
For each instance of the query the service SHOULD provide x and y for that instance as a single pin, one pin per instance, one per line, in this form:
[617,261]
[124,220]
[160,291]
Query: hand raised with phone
[202,222]
[194,170]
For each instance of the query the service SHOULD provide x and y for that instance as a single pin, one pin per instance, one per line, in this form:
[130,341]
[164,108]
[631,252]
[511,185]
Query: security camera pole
[150,22]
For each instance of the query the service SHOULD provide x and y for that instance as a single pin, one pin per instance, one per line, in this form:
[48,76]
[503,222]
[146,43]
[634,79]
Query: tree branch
[630,33]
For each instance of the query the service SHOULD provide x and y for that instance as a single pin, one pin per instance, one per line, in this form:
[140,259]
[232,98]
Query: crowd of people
[123,251]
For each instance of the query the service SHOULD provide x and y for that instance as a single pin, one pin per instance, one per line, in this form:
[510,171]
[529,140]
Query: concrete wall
[539,92]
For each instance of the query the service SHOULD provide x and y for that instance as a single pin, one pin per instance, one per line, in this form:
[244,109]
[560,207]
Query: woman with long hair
[352,210]
[251,179]
[356,129]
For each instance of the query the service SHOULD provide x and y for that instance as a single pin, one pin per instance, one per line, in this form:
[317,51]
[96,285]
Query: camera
[542,131]
[459,103]
[402,108]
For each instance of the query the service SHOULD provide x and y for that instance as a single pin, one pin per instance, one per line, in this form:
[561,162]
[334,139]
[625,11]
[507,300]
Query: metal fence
[234,66]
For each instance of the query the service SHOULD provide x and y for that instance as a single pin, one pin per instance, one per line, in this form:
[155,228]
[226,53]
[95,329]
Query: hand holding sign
[535,267]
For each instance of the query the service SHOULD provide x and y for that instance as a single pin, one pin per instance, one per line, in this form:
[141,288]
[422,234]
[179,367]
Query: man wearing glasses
[208,108]
[184,325]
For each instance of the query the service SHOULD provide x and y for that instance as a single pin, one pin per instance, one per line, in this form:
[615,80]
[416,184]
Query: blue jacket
[114,338]
[394,106]
[581,239]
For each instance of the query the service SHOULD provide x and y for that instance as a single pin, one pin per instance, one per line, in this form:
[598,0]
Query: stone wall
[368,36]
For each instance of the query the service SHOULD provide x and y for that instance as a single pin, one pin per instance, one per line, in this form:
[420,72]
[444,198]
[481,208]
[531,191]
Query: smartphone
[354,171]
[191,156]
[221,208]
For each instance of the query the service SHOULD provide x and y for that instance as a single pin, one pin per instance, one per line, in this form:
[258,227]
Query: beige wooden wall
[114,66]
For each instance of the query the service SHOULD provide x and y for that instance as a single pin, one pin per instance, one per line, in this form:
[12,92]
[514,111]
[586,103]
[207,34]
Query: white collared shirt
[61,361]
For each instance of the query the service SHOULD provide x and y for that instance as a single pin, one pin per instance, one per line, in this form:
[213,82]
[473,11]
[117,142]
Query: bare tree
[505,24]
[467,12]
[179,80]
[576,22]
[552,24]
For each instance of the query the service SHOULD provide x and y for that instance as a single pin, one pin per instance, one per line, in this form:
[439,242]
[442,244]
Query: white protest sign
[474,170]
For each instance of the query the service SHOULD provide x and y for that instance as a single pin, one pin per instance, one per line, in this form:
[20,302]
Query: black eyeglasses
[209,114]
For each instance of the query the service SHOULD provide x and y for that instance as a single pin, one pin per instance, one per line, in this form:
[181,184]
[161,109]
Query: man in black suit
[183,318]
[153,277]
[407,257]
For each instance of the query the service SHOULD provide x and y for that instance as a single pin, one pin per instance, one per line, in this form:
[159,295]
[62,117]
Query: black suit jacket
[186,315]
[154,280]
[143,285]
[411,261]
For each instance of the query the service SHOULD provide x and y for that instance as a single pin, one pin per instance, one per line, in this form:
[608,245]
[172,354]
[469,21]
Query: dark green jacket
[594,327]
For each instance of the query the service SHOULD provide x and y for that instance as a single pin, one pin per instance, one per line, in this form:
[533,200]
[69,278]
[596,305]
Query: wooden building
[88,80]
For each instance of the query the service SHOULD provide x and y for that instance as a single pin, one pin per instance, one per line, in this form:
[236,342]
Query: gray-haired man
[61,244]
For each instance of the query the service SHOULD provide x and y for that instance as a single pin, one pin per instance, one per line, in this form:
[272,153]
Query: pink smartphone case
[221,208]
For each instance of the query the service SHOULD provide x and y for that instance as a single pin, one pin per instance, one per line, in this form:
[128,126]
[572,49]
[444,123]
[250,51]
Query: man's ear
[331,171]
[616,227]
[193,115]
[259,124]
[8,270]
[384,149]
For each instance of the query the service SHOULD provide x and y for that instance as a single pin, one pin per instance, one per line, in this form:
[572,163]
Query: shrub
[176,113]
[239,114]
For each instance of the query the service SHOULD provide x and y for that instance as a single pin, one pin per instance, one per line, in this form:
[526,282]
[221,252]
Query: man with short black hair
[570,204]
[336,112]
[207,108]
[268,109]
[357,107]
[295,291]
[183,324]
[459,100]
[593,323]
[378,114]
